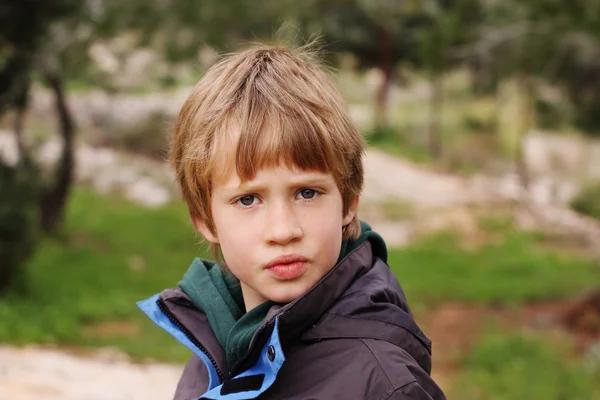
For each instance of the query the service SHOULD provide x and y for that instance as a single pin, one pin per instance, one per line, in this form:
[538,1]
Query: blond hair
[284,109]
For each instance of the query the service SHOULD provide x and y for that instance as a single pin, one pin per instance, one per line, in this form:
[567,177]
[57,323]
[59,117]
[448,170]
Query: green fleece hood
[219,295]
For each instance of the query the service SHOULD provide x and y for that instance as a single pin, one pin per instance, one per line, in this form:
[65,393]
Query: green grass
[513,270]
[396,142]
[82,290]
[522,367]
[117,253]
[587,201]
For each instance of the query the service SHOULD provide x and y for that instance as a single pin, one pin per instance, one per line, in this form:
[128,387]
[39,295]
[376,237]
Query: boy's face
[280,232]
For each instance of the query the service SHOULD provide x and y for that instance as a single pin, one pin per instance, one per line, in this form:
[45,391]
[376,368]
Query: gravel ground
[43,374]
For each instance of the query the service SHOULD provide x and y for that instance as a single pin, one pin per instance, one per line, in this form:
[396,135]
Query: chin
[286,295]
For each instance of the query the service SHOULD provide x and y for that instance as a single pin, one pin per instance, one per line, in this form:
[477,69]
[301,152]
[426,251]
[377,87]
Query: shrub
[147,136]
[587,202]
[522,367]
[18,220]
[398,141]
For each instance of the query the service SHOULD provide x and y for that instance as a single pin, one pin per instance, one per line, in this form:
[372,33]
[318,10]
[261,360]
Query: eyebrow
[312,180]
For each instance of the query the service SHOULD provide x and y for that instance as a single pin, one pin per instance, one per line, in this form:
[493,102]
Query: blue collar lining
[269,362]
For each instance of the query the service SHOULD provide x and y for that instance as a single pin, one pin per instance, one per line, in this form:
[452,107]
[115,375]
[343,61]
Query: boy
[303,305]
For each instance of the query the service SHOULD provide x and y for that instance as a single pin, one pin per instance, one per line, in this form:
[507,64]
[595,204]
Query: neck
[251,297]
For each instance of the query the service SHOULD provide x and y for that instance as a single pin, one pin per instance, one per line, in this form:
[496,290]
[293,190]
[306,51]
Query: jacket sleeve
[414,391]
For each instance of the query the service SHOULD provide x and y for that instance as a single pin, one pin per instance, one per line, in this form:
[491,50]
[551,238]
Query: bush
[398,141]
[587,202]
[521,367]
[149,136]
[475,124]
[551,115]
[18,220]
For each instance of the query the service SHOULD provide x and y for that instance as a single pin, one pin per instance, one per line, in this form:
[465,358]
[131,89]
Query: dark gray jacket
[351,336]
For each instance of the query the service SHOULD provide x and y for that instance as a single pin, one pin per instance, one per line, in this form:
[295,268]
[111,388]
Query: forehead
[225,174]
[242,153]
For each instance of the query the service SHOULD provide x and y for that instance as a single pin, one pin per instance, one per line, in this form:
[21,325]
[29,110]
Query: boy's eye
[307,193]
[247,200]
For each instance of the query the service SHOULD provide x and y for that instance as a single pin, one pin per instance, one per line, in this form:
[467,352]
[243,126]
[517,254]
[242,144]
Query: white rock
[145,191]
[9,151]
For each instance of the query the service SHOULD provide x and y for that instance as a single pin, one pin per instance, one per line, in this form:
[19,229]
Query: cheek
[237,252]
[236,235]
[326,228]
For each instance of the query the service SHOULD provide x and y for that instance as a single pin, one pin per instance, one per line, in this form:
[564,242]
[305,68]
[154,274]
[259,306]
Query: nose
[284,225]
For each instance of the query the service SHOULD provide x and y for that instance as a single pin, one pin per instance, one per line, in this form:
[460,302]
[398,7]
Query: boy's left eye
[307,193]
[246,200]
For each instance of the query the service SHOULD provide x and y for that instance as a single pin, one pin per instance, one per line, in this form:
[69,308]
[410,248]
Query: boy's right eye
[247,200]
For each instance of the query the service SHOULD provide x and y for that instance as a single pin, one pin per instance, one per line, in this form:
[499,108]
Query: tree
[577,68]
[177,29]
[519,42]
[18,219]
[452,24]
[24,28]
[379,33]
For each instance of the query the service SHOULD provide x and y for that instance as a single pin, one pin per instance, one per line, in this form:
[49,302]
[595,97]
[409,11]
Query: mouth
[287,267]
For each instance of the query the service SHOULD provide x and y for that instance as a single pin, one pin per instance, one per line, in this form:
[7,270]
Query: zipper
[161,305]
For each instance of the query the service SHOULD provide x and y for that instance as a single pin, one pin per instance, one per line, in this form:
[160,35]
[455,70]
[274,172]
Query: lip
[287,267]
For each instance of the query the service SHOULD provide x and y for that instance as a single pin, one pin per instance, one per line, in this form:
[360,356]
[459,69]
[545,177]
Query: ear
[204,231]
[351,211]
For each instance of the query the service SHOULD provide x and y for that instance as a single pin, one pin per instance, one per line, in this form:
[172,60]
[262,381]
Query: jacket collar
[293,318]
[359,298]
[304,312]
[339,298]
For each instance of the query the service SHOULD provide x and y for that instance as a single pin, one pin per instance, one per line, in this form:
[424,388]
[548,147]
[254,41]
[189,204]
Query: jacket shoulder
[407,378]
[351,369]
[412,391]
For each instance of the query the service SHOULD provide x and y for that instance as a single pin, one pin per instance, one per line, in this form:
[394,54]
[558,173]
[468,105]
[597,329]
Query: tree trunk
[386,67]
[12,80]
[54,198]
[436,103]
[520,158]
[21,103]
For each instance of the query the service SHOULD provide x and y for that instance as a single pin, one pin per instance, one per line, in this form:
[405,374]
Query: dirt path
[43,374]
[388,177]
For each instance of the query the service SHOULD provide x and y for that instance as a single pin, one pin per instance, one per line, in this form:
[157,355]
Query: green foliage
[446,30]
[384,33]
[523,367]
[24,26]
[178,29]
[547,41]
[514,268]
[148,136]
[588,201]
[395,141]
[474,124]
[115,253]
[375,32]
[551,115]
[18,221]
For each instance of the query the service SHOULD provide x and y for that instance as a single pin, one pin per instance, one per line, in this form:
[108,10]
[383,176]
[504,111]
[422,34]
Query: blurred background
[482,174]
